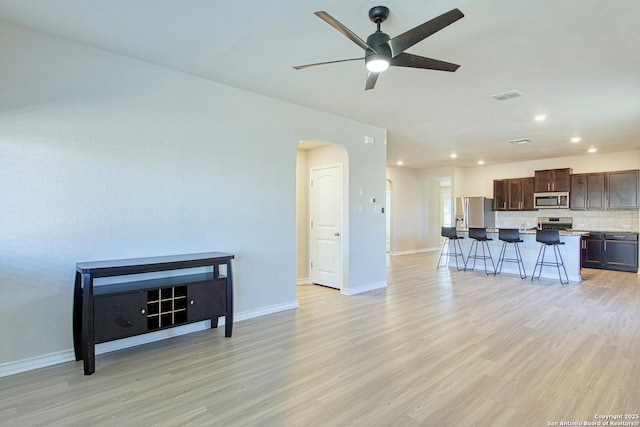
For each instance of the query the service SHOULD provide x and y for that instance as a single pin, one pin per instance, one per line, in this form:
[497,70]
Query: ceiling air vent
[520,141]
[507,95]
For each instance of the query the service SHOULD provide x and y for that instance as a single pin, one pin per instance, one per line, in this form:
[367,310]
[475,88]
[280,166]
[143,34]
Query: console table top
[148,264]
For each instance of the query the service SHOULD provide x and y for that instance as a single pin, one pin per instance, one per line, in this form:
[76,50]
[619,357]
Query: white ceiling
[577,61]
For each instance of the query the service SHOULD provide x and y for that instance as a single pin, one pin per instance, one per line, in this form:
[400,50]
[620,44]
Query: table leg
[228,320]
[77,317]
[88,346]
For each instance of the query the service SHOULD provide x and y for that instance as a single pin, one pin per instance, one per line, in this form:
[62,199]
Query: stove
[555,223]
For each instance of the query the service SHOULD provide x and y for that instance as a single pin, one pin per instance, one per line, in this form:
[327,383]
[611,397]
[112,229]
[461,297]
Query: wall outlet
[626,226]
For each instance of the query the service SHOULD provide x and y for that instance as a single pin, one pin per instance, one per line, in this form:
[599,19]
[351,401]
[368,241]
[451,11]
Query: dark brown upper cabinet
[552,180]
[605,190]
[587,191]
[500,194]
[514,194]
[521,194]
[622,189]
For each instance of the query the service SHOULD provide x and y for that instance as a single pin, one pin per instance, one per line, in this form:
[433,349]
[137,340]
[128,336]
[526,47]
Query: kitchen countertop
[532,231]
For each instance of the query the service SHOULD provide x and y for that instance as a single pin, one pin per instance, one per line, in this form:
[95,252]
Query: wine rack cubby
[166,307]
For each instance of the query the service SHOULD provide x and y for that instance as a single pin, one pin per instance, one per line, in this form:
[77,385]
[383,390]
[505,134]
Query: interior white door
[325,211]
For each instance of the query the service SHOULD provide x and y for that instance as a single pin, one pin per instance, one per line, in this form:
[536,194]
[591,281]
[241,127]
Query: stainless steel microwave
[552,200]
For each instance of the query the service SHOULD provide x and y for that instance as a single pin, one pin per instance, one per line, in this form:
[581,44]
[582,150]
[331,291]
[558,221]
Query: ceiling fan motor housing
[379,42]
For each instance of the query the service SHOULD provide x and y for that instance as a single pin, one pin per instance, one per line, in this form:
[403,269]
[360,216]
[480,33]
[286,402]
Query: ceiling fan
[381,51]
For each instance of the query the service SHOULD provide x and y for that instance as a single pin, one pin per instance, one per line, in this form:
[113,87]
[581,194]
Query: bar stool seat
[479,236]
[510,236]
[451,235]
[550,238]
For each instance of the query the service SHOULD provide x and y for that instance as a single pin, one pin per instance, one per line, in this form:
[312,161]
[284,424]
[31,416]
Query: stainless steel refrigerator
[474,212]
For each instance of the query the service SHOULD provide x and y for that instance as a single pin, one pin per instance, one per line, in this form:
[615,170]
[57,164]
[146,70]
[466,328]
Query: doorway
[314,157]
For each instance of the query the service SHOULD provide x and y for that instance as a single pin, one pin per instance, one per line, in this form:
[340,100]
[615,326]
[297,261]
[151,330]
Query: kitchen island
[529,249]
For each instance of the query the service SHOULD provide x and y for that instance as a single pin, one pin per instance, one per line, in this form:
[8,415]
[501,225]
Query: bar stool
[479,236]
[451,235]
[549,238]
[510,236]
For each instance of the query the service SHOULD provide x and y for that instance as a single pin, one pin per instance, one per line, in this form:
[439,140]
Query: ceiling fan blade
[302,67]
[372,78]
[342,29]
[404,41]
[415,61]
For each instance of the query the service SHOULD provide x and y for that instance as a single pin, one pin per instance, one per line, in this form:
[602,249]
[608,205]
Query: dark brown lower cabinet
[610,251]
[119,316]
[621,252]
[206,301]
[592,248]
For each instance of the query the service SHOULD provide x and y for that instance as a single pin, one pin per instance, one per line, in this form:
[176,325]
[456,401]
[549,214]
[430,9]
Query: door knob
[337,234]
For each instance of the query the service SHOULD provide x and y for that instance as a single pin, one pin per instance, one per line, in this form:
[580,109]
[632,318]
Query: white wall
[106,157]
[406,210]
[431,181]
[416,211]
[327,155]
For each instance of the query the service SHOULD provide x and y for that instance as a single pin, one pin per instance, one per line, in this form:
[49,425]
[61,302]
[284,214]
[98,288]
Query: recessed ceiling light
[399,163]
[576,139]
[592,150]
[453,155]
[481,162]
[540,117]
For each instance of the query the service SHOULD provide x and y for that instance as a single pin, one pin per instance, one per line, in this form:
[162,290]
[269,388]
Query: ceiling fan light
[377,63]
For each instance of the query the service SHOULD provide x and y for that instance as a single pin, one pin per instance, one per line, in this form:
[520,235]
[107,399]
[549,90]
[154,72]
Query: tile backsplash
[582,220]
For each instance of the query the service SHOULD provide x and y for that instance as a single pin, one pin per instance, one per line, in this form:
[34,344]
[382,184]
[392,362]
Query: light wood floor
[436,348]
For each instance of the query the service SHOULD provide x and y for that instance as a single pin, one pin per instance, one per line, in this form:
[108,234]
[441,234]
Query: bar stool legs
[510,236]
[550,238]
[479,236]
[450,235]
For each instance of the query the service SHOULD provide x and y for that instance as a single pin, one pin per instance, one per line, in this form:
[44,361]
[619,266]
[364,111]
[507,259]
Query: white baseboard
[414,251]
[37,362]
[304,281]
[24,365]
[263,311]
[365,288]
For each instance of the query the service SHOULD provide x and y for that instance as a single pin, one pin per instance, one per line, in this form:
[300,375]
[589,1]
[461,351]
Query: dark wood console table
[109,312]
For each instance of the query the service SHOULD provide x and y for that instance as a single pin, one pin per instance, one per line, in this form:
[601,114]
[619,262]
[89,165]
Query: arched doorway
[320,156]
